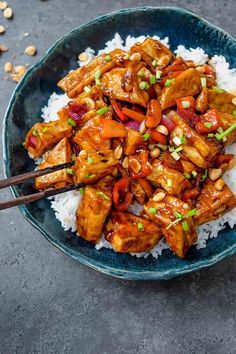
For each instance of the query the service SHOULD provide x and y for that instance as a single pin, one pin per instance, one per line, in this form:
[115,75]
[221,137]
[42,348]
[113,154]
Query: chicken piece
[106,184]
[177,226]
[89,137]
[112,87]
[172,181]
[221,101]
[92,212]
[152,49]
[141,188]
[226,120]
[74,83]
[60,154]
[130,233]
[187,83]
[43,136]
[215,200]
[90,168]
[196,148]
[133,141]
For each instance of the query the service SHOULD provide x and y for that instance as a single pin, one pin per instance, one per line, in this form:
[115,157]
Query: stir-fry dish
[142,126]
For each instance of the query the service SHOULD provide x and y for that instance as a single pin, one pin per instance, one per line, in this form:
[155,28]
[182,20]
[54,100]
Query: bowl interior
[182,27]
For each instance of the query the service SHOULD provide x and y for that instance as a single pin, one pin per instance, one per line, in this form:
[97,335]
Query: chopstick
[11,181]
[36,196]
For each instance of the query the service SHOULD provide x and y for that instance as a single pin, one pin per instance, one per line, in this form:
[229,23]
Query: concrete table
[52,304]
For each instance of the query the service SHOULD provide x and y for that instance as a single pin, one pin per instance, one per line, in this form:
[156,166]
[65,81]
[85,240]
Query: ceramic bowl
[32,93]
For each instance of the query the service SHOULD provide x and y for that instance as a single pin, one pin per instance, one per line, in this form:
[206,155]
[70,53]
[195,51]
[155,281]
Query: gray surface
[51,304]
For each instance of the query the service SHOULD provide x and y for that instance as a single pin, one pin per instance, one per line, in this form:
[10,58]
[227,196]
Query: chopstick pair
[11,181]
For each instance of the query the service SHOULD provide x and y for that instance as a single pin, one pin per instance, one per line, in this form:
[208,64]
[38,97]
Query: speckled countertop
[51,304]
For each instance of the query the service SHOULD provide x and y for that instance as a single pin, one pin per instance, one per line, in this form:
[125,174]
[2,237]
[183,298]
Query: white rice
[65,205]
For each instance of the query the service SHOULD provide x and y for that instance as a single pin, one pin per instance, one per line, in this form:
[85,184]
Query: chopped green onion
[177,141]
[162,147]
[185,104]
[103,195]
[146,136]
[186,175]
[86,175]
[81,190]
[126,57]
[87,89]
[171,149]
[24,143]
[178,215]
[90,160]
[73,157]
[175,155]
[45,129]
[226,132]
[185,226]
[97,74]
[35,132]
[108,58]
[69,171]
[152,210]
[144,85]
[210,135]
[217,89]
[203,82]
[169,182]
[71,122]
[204,177]
[192,212]
[178,149]
[140,226]
[152,80]
[141,73]
[98,82]
[173,223]
[103,110]
[208,125]
[158,74]
[169,82]
[154,63]
[234,114]
[183,139]
[194,173]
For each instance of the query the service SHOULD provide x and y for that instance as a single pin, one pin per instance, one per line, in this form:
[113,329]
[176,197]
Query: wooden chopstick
[11,181]
[39,195]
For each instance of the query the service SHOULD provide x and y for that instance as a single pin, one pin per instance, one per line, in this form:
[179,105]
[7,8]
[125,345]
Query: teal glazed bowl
[32,93]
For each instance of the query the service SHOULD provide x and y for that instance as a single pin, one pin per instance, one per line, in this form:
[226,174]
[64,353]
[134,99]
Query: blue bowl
[32,93]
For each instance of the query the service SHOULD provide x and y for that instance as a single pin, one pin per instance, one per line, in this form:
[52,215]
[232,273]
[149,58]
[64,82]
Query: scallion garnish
[192,212]
[217,89]
[178,149]
[203,82]
[177,215]
[126,57]
[87,89]
[194,173]
[35,132]
[152,80]
[169,82]
[207,125]
[73,157]
[210,135]
[183,139]
[103,110]
[86,175]
[185,104]
[154,63]
[158,74]
[173,223]
[81,190]
[108,58]
[234,114]
[185,226]
[204,177]
[103,195]
[45,129]
[69,171]
[186,175]
[152,211]
[97,74]
[140,226]
[146,136]
[90,160]
[144,85]
[175,155]
[226,132]
[71,122]
[169,182]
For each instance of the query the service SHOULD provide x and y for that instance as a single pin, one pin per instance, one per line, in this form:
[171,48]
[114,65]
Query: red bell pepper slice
[208,122]
[157,137]
[122,197]
[139,117]
[224,159]
[153,114]
[118,110]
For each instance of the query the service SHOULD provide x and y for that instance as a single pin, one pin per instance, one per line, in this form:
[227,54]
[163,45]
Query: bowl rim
[85,260]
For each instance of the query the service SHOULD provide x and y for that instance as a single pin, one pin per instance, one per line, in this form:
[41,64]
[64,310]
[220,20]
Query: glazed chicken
[142,128]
